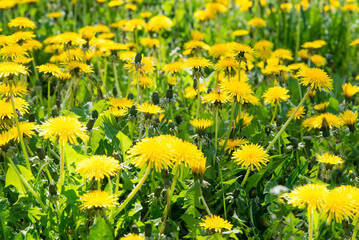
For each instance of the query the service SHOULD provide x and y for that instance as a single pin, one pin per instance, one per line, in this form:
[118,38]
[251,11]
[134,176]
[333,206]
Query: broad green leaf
[72,156]
[13,179]
[125,142]
[101,230]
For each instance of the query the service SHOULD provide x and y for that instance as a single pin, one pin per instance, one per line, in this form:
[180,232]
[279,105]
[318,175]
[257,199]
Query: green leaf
[100,106]
[72,156]
[125,142]
[13,179]
[101,230]
[334,103]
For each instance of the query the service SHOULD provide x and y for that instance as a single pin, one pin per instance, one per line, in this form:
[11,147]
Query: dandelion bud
[178,119]
[138,58]
[195,84]
[134,229]
[130,96]
[94,114]
[169,93]
[133,111]
[54,113]
[268,129]
[155,98]
[325,128]
[53,188]
[40,153]
[148,230]
[114,92]
[32,117]
[90,124]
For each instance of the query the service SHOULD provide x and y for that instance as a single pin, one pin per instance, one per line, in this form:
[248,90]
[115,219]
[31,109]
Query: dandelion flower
[173,67]
[98,199]
[149,109]
[246,119]
[275,95]
[349,118]
[133,237]
[322,106]
[317,121]
[13,52]
[6,109]
[185,152]
[26,129]
[315,78]
[257,22]
[98,167]
[65,129]
[155,152]
[318,60]
[118,103]
[201,124]
[216,97]
[203,15]
[145,82]
[158,23]
[79,67]
[329,159]
[197,62]
[233,144]
[349,90]
[240,33]
[241,91]
[216,223]
[299,114]
[50,70]
[311,196]
[18,90]
[338,204]
[21,22]
[250,156]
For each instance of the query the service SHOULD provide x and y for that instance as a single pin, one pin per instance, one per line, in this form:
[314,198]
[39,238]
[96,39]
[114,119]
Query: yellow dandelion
[65,129]
[318,60]
[354,43]
[349,118]
[239,90]
[198,167]
[119,103]
[257,22]
[87,33]
[98,199]
[349,90]
[203,15]
[22,36]
[54,14]
[303,54]
[216,97]
[275,95]
[134,25]
[98,167]
[147,65]
[283,54]
[18,90]
[329,159]
[50,70]
[216,7]
[146,14]
[233,144]
[6,109]
[185,152]
[158,23]
[219,49]
[149,109]
[26,128]
[322,106]
[246,119]
[155,152]
[228,64]
[215,223]
[133,237]
[197,35]
[299,114]
[145,82]
[13,52]
[21,22]
[150,42]
[240,33]
[317,121]
[338,205]
[310,196]
[315,78]
[201,124]
[197,62]
[78,67]
[250,156]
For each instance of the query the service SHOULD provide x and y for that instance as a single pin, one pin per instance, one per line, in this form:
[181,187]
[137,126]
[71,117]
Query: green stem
[67,95]
[288,121]
[205,204]
[310,226]
[275,112]
[48,99]
[99,185]
[116,80]
[215,137]
[134,191]
[62,166]
[245,177]
[27,185]
[355,228]
[138,86]
[18,129]
[169,197]
[198,99]
[223,195]
[230,126]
